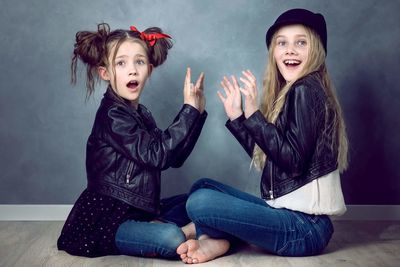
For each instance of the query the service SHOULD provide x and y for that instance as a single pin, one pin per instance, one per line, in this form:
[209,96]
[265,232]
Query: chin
[133,99]
[291,78]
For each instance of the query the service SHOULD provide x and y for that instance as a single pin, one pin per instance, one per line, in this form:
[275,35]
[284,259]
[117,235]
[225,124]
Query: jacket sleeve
[186,147]
[241,134]
[130,138]
[292,147]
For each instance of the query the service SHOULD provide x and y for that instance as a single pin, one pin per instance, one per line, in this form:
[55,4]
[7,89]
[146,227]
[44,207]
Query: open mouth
[132,84]
[291,62]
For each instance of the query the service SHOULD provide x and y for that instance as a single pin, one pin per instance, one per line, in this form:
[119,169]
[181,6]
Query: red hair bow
[151,38]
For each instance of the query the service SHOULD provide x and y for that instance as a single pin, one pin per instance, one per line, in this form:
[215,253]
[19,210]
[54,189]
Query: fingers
[188,86]
[200,82]
[250,82]
[230,87]
[249,75]
[188,78]
[248,79]
[226,84]
[245,92]
[249,88]
[235,82]
[221,97]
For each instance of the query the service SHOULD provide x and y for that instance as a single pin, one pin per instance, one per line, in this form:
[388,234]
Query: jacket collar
[142,114]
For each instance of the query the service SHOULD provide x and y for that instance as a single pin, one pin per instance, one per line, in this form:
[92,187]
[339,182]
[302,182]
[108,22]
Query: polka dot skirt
[92,223]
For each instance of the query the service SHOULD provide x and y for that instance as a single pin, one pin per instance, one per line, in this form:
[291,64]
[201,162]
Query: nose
[290,49]
[133,70]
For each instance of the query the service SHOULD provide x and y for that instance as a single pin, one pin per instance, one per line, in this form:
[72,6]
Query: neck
[134,104]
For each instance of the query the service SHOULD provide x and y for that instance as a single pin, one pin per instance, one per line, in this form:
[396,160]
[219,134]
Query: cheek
[280,65]
[306,53]
[276,55]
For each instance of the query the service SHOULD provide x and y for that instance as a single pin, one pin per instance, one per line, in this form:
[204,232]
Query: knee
[171,237]
[200,202]
[201,183]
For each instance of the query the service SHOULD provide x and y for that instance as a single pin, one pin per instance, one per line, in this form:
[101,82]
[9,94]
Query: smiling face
[129,71]
[291,50]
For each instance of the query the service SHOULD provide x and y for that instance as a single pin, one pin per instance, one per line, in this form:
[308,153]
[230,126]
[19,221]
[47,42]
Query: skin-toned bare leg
[202,250]
[189,230]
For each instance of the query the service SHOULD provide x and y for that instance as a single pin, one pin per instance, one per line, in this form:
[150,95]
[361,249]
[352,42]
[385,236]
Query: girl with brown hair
[120,211]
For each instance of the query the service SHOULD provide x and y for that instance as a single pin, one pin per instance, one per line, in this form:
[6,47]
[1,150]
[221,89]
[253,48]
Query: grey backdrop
[44,121]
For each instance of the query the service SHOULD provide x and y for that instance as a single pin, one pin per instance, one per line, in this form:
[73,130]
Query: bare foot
[202,250]
[182,251]
[189,230]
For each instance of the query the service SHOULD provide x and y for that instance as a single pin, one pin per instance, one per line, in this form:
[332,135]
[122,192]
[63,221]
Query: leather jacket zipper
[271,191]
[129,172]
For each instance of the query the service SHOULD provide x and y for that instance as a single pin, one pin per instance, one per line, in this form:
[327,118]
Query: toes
[182,249]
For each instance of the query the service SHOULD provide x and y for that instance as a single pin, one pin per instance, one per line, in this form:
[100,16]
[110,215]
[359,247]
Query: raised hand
[199,90]
[250,93]
[194,94]
[232,101]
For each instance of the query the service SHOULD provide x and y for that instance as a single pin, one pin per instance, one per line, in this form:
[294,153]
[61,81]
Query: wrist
[248,113]
[233,117]
[192,105]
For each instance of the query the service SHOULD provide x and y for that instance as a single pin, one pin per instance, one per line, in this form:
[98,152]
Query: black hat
[305,17]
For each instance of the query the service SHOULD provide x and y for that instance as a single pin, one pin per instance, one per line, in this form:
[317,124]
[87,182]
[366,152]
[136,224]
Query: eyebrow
[137,55]
[297,35]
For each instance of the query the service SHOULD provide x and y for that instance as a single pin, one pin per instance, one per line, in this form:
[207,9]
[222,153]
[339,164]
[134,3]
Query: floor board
[354,243]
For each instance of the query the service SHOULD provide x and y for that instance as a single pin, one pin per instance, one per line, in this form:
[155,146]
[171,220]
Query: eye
[140,62]
[281,43]
[120,63]
[301,42]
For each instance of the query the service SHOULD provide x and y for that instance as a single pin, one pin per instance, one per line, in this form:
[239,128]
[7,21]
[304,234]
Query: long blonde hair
[275,89]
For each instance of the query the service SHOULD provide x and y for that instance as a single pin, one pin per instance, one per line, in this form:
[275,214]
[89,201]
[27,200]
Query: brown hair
[93,48]
[275,90]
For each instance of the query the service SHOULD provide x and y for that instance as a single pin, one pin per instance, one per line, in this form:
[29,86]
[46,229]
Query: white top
[320,196]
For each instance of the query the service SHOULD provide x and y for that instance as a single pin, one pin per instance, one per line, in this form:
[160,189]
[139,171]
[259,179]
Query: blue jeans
[154,239]
[223,212]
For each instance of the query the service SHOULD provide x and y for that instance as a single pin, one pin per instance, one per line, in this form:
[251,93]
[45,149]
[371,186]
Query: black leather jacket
[126,151]
[298,150]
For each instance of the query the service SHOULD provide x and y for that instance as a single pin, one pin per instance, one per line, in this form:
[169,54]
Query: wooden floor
[355,243]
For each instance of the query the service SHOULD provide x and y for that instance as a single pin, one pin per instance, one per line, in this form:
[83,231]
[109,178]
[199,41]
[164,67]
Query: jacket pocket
[132,179]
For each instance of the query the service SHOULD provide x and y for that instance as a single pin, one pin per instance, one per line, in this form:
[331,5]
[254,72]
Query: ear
[151,67]
[103,73]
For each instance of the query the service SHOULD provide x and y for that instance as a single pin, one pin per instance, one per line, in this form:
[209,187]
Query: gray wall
[44,121]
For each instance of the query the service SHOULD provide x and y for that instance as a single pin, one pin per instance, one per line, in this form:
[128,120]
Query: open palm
[232,100]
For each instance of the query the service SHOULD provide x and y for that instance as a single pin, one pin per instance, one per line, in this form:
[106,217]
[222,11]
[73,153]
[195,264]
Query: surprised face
[291,50]
[132,69]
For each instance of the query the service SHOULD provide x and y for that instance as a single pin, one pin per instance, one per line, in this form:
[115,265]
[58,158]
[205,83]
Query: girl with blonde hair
[297,138]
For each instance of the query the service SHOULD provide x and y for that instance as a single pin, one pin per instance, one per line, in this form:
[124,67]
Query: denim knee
[201,183]
[199,202]
[170,239]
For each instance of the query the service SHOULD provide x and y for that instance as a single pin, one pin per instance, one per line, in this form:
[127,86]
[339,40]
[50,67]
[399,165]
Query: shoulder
[114,112]
[109,108]
[309,88]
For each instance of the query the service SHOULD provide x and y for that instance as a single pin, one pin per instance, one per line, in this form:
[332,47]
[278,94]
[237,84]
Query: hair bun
[89,46]
[159,51]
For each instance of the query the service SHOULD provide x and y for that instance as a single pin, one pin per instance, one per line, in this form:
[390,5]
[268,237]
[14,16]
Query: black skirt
[90,228]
